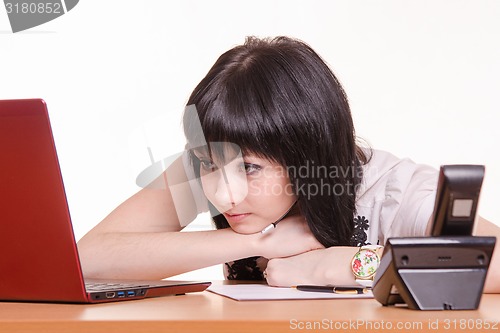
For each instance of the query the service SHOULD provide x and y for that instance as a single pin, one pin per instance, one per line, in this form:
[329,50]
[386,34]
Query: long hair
[276,98]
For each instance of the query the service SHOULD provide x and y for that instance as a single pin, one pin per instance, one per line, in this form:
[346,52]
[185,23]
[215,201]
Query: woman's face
[251,192]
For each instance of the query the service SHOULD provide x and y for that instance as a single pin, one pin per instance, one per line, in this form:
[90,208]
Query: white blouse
[395,198]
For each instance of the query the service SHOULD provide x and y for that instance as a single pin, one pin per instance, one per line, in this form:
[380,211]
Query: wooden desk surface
[208,312]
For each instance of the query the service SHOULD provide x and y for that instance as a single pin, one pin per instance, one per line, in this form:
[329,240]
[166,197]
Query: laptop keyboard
[112,286]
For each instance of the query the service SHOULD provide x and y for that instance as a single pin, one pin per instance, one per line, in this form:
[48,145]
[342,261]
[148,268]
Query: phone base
[434,273]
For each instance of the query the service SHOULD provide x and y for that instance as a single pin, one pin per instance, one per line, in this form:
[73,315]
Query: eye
[207,165]
[251,168]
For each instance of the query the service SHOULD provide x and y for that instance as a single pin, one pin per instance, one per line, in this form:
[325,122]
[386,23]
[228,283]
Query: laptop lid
[38,254]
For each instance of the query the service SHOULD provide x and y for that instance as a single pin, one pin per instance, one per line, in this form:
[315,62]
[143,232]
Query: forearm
[320,267]
[486,228]
[142,239]
[156,255]
[334,266]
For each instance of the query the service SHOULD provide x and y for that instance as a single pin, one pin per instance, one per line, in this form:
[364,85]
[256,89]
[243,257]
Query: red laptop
[38,254]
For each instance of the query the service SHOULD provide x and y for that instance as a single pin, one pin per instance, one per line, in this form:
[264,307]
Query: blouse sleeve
[396,198]
[409,200]
[187,193]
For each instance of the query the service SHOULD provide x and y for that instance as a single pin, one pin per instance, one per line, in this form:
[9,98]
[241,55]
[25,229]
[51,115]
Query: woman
[271,140]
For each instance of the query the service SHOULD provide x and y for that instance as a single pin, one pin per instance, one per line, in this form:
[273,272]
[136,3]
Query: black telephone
[457,197]
[446,271]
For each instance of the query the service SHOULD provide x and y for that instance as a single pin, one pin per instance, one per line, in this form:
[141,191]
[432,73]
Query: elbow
[492,283]
[90,262]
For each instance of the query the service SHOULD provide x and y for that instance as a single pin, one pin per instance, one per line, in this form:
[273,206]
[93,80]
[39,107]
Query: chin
[245,230]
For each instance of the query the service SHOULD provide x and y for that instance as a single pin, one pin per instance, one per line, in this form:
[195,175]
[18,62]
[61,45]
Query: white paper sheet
[260,292]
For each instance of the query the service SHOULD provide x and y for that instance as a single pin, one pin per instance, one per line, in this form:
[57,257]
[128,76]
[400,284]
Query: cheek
[262,188]
[209,186]
[270,188]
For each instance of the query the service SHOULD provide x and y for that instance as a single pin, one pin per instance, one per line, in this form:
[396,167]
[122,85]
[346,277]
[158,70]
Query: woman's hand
[292,236]
[319,267]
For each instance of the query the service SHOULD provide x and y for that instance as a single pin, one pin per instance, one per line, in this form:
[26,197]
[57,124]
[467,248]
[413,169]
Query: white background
[423,78]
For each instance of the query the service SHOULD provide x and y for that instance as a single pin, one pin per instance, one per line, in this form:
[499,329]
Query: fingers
[277,273]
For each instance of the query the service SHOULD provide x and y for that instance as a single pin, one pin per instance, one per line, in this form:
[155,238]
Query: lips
[235,217]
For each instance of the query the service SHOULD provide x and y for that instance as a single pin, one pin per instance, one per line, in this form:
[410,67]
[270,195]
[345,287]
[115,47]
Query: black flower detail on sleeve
[359,237]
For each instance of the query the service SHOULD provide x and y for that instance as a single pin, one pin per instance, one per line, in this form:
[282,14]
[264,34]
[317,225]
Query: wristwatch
[364,264]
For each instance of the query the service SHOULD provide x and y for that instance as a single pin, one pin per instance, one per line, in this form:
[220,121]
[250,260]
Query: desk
[208,312]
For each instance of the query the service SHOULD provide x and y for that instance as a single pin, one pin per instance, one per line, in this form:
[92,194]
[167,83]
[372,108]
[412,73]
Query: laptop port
[121,294]
[130,293]
[110,294]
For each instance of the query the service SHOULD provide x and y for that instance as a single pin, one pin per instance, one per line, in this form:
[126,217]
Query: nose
[230,190]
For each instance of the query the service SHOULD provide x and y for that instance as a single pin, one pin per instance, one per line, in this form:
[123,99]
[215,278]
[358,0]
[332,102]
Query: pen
[333,289]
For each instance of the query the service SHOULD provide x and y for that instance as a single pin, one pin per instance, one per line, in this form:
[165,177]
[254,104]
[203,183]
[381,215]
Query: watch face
[365,263]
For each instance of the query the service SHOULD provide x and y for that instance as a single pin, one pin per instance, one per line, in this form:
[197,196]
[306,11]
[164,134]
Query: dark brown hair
[278,99]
